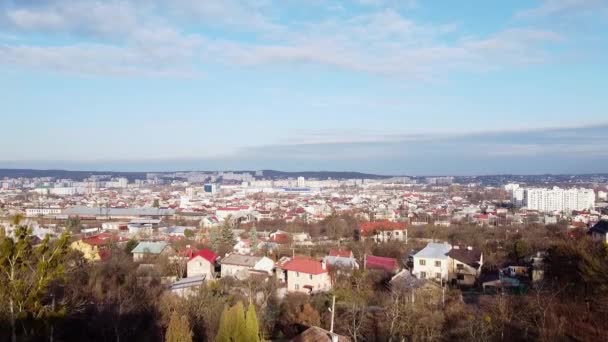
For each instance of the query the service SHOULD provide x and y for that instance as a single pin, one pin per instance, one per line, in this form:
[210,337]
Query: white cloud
[381,41]
[553,7]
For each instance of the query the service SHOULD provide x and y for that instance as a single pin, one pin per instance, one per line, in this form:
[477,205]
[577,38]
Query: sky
[406,87]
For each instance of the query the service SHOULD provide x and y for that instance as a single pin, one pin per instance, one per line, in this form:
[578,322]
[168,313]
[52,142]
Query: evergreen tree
[232,325]
[27,272]
[214,238]
[240,330]
[226,234]
[252,329]
[178,329]
[253,239]
[226,329]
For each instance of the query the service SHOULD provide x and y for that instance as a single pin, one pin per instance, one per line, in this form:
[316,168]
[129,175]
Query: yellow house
[89,251]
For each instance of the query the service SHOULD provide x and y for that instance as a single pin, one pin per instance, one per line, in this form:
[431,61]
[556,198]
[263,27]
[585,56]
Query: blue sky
[395,87]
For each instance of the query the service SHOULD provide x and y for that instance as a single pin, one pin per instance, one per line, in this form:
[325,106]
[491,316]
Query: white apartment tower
[556,199]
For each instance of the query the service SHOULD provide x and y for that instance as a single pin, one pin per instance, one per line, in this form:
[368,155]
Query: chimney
[469,248]
[323,265]
[456,247]
[334,338]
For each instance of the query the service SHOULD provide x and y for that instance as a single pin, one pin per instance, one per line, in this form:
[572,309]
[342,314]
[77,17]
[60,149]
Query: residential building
[202,263]
[306,275]
[383,231]
[242,266]
[443,262]
[151,249]
[599,232]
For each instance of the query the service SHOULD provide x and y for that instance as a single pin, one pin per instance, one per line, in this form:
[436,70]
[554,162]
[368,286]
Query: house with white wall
[443,263]
[202,263]
[306,275]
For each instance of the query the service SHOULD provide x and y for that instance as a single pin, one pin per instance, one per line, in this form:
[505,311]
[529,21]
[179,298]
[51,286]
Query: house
[304,274]
[443,262]
[383,231]
[418,289]
[599,232]
[95,248]
[465,265]
[316,334]
[388,265]
[280,237]
[242,266]
[341,259]
[151,249]
[202,263]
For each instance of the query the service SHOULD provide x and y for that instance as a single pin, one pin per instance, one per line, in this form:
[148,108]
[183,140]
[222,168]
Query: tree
[178,329]
[27,273]
[253,239]
[214,238]
[131,244]
[252,329]
[232,324]
[188,233]
[156,203]
[73,224]
[227,240]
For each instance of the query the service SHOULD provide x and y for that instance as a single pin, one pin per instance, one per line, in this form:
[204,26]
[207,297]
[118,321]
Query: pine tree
[253,239]
[226,329]
[178,329]
[252,329]
[26,273]
[214,238]
[226,234]
[240,330]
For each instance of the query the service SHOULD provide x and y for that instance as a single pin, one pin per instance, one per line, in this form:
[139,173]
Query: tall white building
[556,199]
[301,182]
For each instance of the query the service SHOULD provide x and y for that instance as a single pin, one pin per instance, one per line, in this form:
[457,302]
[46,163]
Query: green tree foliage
[252,329]
[178,329]
[253,239]
[27,273]
[188,233]
[73,224]
[131,244]
[519,249]
[214,238]
[233,327]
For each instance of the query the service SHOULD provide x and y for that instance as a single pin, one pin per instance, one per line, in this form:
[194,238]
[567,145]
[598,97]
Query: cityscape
[303,170]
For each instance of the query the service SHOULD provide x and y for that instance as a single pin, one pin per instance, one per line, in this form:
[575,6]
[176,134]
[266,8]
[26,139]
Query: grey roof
[241,260]
[185,283]
[338,261]
[434,251]
[148,247]
[88,211]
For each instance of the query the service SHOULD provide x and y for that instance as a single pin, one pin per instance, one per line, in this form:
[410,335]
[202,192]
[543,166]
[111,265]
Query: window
[460,277]
[396,233]
[459,266]
[298,274]
[438,275]
[422,275]
[422,262]
[310,275]
[297,286]
[437,263]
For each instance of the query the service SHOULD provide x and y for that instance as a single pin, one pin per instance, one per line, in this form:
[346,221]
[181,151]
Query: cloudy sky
[385,86]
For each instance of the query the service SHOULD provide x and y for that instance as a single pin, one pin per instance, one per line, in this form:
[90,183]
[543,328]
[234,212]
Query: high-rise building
[555,199]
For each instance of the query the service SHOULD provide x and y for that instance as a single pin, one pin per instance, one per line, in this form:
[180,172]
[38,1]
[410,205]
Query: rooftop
[434,250]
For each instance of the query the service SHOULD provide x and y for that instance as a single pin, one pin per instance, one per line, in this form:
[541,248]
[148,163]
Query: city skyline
[387,87]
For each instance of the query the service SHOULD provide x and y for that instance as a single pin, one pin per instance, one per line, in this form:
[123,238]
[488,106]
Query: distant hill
[80,175]
[322,174]
[74,175]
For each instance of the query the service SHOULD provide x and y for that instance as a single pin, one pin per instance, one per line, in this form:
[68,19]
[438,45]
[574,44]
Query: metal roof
[434,251]
[148,247]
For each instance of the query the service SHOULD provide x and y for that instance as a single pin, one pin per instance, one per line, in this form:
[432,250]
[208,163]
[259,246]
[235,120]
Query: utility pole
[333,312]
